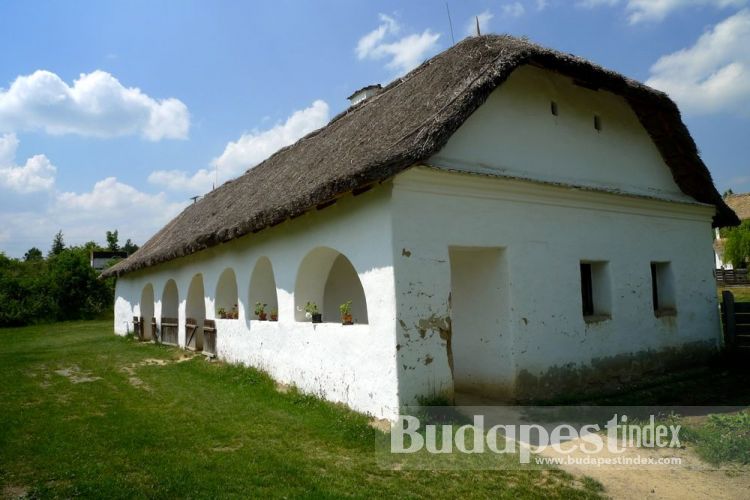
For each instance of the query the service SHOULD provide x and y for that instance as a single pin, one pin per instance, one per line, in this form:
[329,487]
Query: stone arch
[170,313]
[262,288]
[170,300]
[195,308]
[147,309]
[328,278]
[226,292]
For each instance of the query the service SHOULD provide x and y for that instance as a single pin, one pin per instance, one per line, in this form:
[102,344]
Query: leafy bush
[724,438]
[737,248]
[61,287]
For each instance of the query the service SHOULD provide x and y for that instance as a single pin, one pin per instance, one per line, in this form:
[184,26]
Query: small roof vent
[363,93]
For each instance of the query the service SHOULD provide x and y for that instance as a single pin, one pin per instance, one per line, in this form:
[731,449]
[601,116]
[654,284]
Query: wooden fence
[155,338]
[169,328]
[209,337]
[192,341]
[732,277]
[138,327]
[167,334]
[735,317]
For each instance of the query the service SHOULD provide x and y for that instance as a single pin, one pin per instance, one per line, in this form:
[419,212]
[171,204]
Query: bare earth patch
[227,448]
[76,375]
[135,381]
[693,478]
[283,388]
[380,424]
[11,491]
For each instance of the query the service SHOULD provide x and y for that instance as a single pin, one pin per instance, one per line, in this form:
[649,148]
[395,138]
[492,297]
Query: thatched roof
[406,123]
[740,203]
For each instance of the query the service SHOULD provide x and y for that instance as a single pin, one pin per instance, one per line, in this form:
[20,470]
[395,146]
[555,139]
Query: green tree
[129,247]
[58,244]
[61,287]
[737,247]
[112,241]
[24,292]
[76,287]
[33,254]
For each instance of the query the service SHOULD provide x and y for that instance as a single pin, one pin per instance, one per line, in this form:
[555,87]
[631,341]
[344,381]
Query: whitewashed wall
[354,365]
[515,134]
[544,232]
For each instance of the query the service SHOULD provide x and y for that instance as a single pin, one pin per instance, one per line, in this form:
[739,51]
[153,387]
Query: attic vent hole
[553,108]
[598,123]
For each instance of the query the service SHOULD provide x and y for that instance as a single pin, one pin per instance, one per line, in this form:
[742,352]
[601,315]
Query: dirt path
[692,478]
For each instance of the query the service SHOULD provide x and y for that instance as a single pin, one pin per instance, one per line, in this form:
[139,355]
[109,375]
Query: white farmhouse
[506,220]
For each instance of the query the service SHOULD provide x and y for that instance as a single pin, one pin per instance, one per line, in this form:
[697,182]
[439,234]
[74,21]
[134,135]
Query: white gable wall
[515,134]
[350,364]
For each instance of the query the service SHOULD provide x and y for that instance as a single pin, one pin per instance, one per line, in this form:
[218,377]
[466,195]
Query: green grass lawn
[85,413]
[741,293]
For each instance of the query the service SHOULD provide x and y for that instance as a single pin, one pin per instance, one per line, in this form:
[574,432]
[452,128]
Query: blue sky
[113,114]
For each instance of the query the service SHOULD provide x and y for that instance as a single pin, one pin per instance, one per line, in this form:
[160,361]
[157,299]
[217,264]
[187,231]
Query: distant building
[740,203]
[100,259]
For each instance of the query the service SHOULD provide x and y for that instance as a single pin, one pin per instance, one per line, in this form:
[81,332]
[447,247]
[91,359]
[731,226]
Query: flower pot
[346,319]
[317,318]
[274,317]
[262,316]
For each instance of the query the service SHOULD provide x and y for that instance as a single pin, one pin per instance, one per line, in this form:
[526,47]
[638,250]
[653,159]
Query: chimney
[363,93]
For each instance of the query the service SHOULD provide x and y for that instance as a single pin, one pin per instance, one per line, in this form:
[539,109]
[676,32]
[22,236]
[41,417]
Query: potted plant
[346,313]
[311,311]
[274,315]
[235,312]
[222,313]
[260,311]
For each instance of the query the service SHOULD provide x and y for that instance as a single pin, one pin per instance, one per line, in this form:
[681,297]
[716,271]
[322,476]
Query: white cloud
[107,196]
[541,4]
[404,54]
[714,74]
[514,10]
[657,10]
[37,174]
[590,4]
[33,210]
[180,180]
[249,150]
[87,216]
[484,23]
[8,146]
[370,41]
[97,104]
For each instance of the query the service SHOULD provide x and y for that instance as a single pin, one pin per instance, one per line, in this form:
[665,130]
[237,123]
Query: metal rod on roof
[479,33]
[450,23]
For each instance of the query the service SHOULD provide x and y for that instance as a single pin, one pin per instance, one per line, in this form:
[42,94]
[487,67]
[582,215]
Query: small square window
[595,291]
[662,289]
